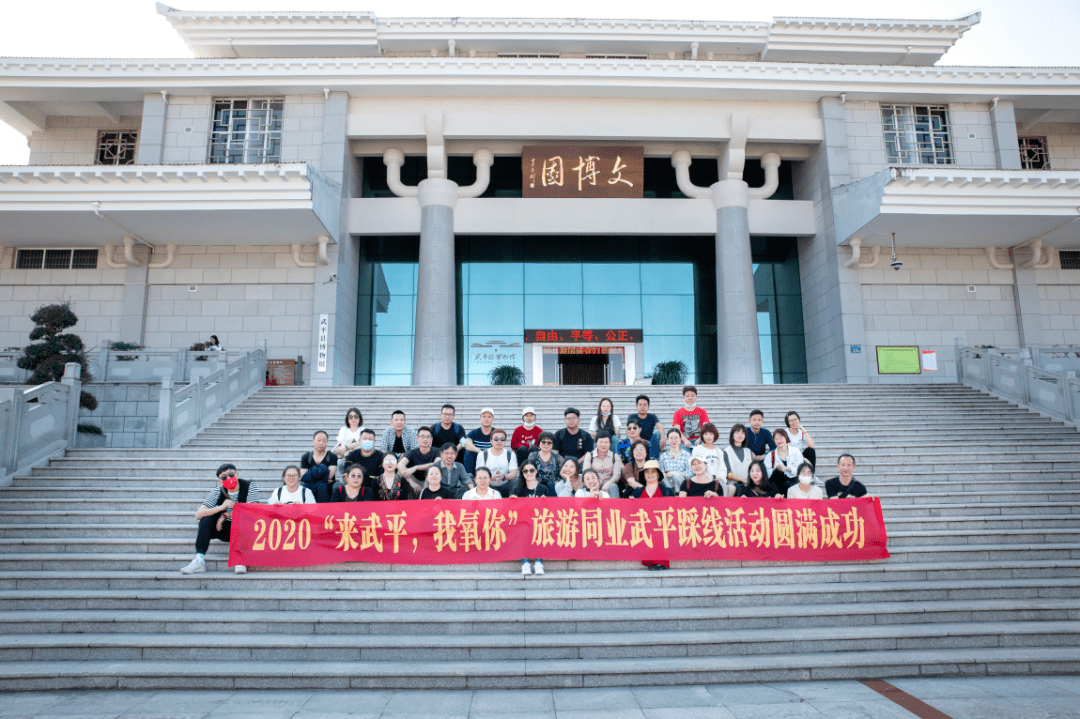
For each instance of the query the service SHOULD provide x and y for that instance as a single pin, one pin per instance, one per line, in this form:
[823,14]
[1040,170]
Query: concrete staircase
[981,501]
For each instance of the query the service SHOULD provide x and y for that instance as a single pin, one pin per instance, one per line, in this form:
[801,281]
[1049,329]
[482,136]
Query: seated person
[501,462]
[603,461]
[570,441]
[605,420]
[633,472]
[653,489]
[367,456]
[547,461]
[479,439]
[353,490]
[419,459]
[845,486]
[433,487]
[447,430]
[690,418]
[709,452]
[482,490]
[800,438]
[805,488]
[758,484]
[389,486]
[590,479]
[737,459]
[569,479]
[452,475]
[527,435]
[530,484]
[675,461]
[783,462]
[348,437]
[398,438]
[319,467]
[633,434]
[699,483]
[292,492]
[758,440]
[215,514]
[651,429]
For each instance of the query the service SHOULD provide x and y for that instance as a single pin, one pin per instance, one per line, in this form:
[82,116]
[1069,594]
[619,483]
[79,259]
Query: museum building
[417,201]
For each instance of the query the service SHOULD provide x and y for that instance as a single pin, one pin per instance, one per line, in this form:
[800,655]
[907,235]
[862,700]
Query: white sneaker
[241,569]
[526,570]
[538,568]
[197,565]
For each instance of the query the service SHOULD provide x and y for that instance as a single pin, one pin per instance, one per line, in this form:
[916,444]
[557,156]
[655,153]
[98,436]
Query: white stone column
[738,343]
[435,341]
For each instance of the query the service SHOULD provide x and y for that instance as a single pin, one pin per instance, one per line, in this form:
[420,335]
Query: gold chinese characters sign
[455,531]
[582,171]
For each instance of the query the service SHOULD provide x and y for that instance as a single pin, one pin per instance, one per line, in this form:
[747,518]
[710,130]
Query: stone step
[537,673]
[519,646]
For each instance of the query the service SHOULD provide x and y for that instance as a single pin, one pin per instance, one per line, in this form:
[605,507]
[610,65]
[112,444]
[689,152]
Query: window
[246,130]
[616,57]
[1033,154]
[917,134]
[116,147]
[67,259]
[1070,259]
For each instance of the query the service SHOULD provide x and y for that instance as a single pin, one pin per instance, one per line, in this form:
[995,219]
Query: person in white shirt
[737,459]
[569,480]
[707,451]
[292,492]
[482,490]
[605,420]
[501,461]
[783,462]
[591,481]
[799,438]
[348,437]
[805,488]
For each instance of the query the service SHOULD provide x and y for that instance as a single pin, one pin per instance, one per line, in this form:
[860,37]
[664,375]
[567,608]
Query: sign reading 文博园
[582,336]
[898,360]
[582,171]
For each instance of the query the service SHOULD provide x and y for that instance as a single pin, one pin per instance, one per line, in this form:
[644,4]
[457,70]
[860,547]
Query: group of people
[638,458]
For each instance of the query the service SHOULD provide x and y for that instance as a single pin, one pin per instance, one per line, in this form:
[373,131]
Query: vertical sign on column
[324,335]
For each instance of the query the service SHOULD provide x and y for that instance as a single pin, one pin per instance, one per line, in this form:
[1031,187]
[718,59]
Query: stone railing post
[1072,412]
[103,362]
[165,412]
[73,380]
[958,356]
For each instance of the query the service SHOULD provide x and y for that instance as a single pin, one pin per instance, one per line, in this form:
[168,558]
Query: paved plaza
[1052,697]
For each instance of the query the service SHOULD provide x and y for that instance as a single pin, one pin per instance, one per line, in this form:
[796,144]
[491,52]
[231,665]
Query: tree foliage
[52,348]
[673,372]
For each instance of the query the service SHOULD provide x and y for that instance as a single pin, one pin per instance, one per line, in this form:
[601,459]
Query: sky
[1012,32]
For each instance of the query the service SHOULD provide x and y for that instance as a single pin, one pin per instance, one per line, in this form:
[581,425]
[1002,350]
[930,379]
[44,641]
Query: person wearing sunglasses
[348,437]
[215,514]
[501,461]
[531,486]
[546,460]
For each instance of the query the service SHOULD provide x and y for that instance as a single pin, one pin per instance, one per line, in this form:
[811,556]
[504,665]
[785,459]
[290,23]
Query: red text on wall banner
[472,532]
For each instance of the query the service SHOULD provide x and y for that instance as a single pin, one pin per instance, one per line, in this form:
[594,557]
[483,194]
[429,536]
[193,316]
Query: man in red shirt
[524,439]
[690,418]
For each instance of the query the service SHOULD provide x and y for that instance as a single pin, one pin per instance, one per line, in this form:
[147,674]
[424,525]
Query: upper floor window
[65,259]
[116,148]
[916,134]
[1033,155]
[246,130]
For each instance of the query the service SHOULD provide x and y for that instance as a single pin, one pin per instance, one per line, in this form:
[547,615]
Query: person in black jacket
[530,486]
[215,514]
[353,490]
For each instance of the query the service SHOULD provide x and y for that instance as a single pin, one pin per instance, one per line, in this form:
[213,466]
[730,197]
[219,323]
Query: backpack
[276,496]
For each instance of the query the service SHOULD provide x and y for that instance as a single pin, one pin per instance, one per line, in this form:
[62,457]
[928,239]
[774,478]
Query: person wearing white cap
[525,437]
[478,440]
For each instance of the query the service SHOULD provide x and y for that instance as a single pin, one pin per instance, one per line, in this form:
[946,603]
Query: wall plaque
[582,171]
[898,360]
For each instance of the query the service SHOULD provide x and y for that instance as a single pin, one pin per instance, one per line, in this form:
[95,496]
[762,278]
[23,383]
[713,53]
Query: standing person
[531,486]
[570,441]
[800,438]
[501,462]
[525,437]
[690,418]
[605,420]
[699,483]
[215,514]
[291,492]
[353,490]
[547,460]
[433,487]
[452,474]
[390,486]
[759,440]
[737,459]
[675,461]
[653,489]
[320,466]
[707,450]
[367,456]
[603,461]
[479,439]
[651,429]
[398,437]
[348,437]
[805,488]
[633,472]
[419,459]
[757,483]
[633,434]
[482,490]
[569,479]
[591,489]
[447,430]
[783,462]
[845,485]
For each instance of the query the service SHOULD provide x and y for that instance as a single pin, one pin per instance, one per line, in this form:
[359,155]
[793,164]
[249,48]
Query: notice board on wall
[898,360]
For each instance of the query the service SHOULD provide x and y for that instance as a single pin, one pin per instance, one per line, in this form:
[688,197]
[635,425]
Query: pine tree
[46,359]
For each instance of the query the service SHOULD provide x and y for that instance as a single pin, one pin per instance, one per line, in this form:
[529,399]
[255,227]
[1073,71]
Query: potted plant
[672,372]
[125,347]
[507,374]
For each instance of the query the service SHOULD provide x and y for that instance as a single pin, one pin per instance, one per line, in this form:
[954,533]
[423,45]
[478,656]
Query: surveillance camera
[896,264]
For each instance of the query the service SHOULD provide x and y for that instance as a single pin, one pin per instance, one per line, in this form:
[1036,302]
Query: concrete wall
[73,140]
[1059,300]
[302,129]
[126,413]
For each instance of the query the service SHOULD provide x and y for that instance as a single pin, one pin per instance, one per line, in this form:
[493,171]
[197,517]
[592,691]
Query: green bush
[673,372]
[89,429]
[125,347]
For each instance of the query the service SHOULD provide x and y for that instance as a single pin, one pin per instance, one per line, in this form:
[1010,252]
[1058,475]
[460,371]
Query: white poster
[929,361]
[324,336]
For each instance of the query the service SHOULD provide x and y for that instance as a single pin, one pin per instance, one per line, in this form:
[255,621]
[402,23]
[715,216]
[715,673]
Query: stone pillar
[1006,144]
[435,342]
[152,130]
[1028,306]
[738,343]
[133,306]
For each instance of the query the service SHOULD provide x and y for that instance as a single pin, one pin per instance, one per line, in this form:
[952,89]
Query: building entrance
[583,369]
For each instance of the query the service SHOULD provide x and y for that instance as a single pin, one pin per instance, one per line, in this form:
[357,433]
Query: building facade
[788,202]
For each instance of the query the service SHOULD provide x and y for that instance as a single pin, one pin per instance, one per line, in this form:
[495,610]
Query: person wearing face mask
[215,514]
[805,488]
[367,456]
[690,418]
[605,420]
[526,437]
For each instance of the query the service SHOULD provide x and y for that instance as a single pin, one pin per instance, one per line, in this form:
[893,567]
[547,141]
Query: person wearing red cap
[215,514]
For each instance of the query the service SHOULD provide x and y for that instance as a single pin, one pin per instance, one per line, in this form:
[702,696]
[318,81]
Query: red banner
[469,532]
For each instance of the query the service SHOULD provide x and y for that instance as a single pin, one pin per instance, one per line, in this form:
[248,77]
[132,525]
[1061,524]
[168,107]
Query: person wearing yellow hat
[653,489]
